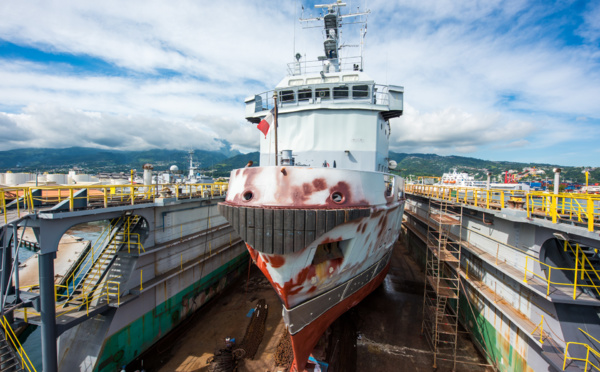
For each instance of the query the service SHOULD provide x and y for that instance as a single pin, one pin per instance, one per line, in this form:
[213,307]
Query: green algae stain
[124,345]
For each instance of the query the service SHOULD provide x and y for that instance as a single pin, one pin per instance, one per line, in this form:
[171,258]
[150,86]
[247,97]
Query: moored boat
[320,217]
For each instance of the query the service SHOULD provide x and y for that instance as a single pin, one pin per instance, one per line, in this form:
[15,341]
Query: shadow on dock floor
[382,333]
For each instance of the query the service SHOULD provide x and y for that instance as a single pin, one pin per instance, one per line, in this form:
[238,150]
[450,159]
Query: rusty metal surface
[303,187]
[298,317]
[284,200]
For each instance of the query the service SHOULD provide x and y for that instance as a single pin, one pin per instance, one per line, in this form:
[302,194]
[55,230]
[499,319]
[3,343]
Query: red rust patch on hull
[276,261]
[304,341]
[319,184]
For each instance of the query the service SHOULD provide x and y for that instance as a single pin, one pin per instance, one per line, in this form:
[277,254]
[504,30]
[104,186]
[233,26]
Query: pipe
[556,179]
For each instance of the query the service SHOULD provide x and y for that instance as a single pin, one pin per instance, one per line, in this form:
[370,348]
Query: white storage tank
[13,179]
[58,178]
[78,178]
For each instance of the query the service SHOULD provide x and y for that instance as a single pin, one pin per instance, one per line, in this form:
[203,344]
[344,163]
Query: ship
[320,217]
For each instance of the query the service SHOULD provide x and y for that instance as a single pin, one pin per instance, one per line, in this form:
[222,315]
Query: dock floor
[380,334]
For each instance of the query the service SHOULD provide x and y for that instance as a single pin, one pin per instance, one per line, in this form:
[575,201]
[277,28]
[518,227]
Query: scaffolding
[442,280]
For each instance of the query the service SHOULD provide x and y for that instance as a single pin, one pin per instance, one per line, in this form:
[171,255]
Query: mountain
[221,162]
[436,165]
[223,168]
[93,160]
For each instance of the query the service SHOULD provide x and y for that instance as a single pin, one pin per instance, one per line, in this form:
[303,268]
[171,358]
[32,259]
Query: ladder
[442,281]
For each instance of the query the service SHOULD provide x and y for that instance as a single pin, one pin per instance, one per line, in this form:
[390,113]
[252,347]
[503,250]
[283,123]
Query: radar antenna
[332,22]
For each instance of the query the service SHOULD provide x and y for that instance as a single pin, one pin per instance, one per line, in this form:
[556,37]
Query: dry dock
[381,333]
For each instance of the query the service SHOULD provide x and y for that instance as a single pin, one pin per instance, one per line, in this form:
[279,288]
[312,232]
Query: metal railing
[581,208]
[588,350]
[580,271]
[21,194]
[575,207]
[90,256]
[110,289]
[347,64]
[376,94]
[12,337]
[102,195]
[587,360]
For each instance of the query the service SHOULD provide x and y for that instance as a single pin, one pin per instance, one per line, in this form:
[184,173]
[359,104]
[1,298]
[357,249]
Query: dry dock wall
[191,254]
[499,309]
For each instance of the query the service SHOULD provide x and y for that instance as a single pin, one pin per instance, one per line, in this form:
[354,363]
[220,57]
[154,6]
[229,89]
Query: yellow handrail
[590,336]
[548,280]
[100,241]
[541,328]
[10,335]
[575,207]
[587,356]
[106,290]
[102,193]
[584,259]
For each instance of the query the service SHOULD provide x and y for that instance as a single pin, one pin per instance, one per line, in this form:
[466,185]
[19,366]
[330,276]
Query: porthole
[337,197]
[248,195]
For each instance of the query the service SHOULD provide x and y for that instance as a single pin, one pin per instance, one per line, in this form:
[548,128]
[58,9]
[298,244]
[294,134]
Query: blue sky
[499,80]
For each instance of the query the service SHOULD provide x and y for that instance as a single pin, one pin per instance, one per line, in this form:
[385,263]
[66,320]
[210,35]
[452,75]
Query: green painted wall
[499,349]
[126,344]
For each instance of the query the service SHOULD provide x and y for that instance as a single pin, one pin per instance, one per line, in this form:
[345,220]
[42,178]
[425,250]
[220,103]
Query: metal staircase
[12,355]
[9,360]
[440,298]
[122,236]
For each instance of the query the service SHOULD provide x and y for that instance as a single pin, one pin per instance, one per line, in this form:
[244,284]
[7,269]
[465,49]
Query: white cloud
[477,73]
[56,127]
[590,29]
[453,130]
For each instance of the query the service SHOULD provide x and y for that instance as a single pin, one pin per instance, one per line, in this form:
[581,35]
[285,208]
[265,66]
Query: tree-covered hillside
[220,163]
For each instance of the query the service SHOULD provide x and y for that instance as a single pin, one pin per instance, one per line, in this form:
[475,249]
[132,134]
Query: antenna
[295,15]
[333,21]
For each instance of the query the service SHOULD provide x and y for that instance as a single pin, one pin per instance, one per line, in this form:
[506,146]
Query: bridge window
[287,96]
[340,92]
[360,91]
[323,93]
[304,94]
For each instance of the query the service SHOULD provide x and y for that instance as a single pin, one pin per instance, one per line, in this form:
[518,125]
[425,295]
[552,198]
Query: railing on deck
[588,350]
[103,195]
[574,207]
[324,92]
[583,270]
[587,356]
[88,260]
[347,65]
[12,338]
[581,208]
[109,290]
[10,194]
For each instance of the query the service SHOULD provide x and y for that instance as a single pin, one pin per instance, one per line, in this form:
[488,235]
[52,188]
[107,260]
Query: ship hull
[321,256]
[304,341]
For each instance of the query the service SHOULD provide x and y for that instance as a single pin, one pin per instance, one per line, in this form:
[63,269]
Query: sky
[511,80]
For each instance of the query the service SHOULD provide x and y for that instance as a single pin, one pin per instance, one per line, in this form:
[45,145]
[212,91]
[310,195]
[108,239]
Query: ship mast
[332,22]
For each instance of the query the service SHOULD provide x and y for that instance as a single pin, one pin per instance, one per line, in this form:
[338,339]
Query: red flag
[266,123]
